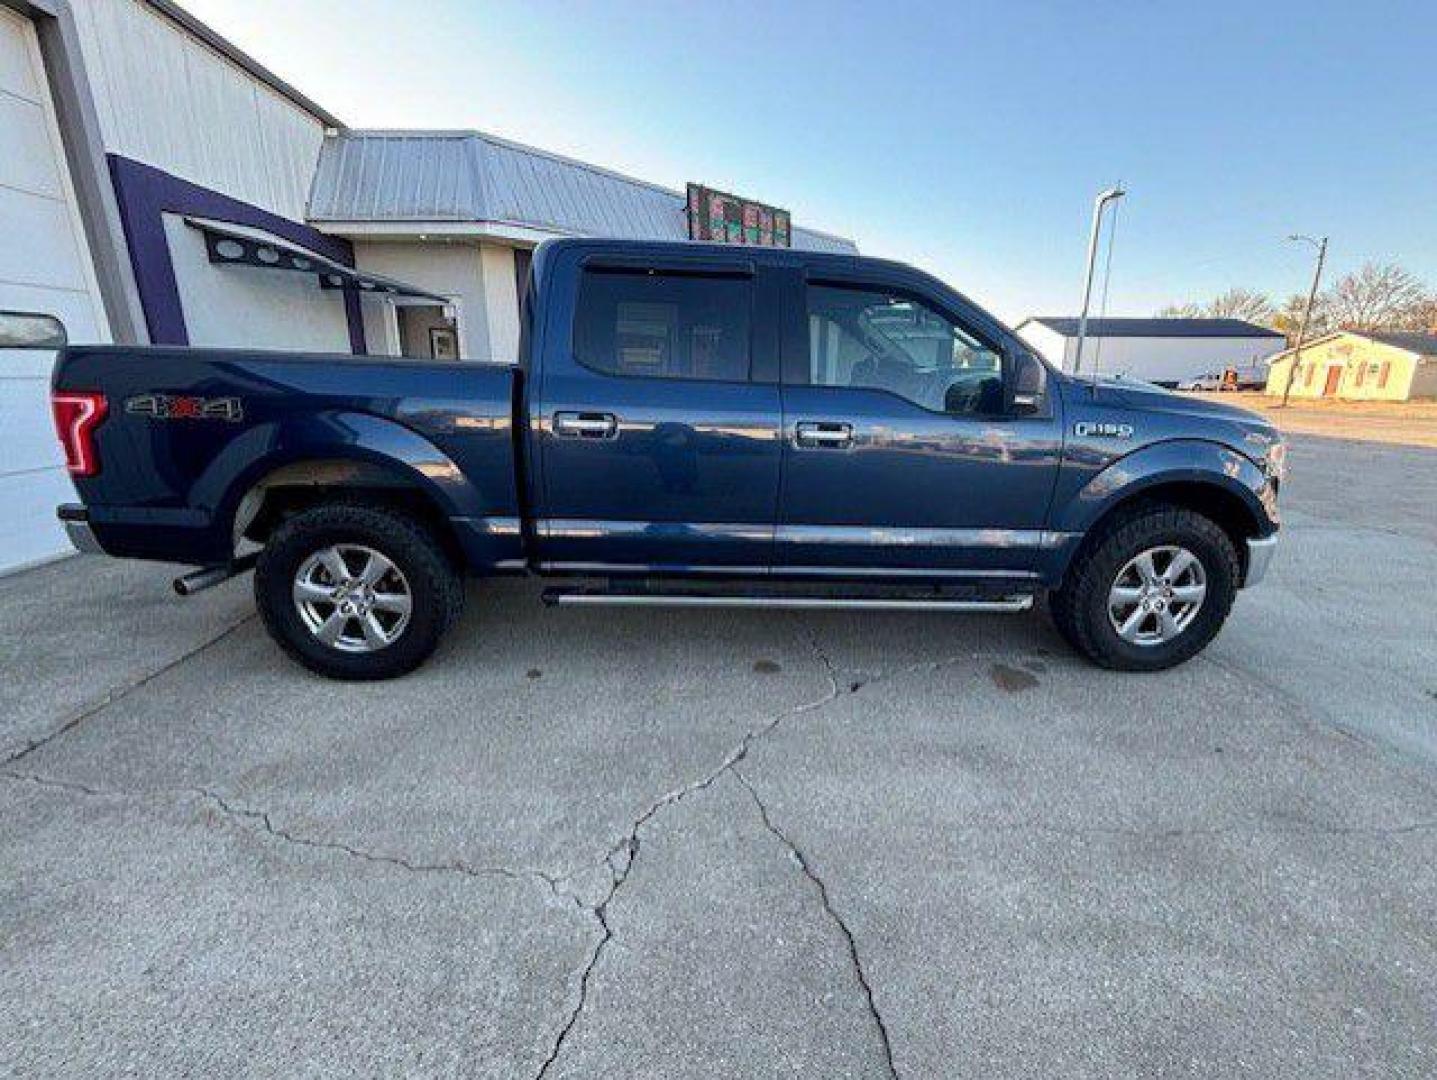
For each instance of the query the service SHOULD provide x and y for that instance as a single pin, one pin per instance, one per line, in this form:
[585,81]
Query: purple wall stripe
[143,193]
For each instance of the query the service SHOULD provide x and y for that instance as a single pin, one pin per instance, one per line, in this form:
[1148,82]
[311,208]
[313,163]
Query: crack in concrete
[120,692]
[621,856]
[606,934]
[823,898]
[262,821]
[836,689]
[618,859]
[619,871]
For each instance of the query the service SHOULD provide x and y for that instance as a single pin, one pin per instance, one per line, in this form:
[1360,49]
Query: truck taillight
[77,415]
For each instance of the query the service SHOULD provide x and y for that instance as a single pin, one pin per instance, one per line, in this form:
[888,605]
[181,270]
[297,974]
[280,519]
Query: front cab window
[862,338]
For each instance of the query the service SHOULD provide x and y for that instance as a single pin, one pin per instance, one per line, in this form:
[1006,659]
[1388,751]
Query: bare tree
[1377,297]
[1288,318]
[1421,316]
[1180,311]
[1243,304]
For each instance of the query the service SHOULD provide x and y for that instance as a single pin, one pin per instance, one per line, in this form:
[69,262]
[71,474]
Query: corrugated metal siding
[467,176]
[431,179]
[168,100]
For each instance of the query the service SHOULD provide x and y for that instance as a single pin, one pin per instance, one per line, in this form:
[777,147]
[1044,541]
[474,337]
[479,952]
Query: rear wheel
[356,592]
[1150,591]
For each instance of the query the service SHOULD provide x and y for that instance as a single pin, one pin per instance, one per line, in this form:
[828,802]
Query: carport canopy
[235,245]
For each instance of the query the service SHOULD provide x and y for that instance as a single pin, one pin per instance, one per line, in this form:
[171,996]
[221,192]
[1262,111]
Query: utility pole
[1321,246]
[1111,195]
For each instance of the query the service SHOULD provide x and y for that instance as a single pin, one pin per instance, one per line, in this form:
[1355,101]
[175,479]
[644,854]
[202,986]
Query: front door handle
[586,425]
[824,434]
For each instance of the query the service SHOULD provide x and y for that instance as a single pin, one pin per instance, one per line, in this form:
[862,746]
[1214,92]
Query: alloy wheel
[1156,595]
[352,598]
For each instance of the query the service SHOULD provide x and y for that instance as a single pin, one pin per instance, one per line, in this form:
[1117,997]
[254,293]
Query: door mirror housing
[29,330]
[1029,381]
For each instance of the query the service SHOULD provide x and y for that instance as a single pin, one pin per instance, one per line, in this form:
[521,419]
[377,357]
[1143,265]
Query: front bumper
[76,520]
[1259,557]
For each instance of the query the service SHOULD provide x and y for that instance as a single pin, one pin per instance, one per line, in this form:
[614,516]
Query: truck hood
[1247,432]
[1150,398]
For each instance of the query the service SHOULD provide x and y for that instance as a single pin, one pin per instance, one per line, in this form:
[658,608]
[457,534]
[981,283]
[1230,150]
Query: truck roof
[736,253]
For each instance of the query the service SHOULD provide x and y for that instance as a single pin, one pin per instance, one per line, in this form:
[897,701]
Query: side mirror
[1029,379]
[27,330]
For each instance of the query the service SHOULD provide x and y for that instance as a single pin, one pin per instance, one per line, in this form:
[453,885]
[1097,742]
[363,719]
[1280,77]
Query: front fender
[1173,461]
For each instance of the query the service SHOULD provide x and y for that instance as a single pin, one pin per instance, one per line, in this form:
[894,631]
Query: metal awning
[234,245]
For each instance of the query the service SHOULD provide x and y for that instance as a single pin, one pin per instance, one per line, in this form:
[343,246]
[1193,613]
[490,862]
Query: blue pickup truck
[686,425]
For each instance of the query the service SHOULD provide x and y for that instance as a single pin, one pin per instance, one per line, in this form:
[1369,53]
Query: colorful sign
[720,218]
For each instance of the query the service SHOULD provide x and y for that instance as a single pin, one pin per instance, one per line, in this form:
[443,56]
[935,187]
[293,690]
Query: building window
[664,326]
[1361,374]
[1382,374]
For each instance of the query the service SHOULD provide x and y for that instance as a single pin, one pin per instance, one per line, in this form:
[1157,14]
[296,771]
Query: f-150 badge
[183,407]
[1095,430]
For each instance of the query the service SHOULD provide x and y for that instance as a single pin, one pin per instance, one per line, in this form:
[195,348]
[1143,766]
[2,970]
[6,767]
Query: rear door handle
[586,425]
[824,435]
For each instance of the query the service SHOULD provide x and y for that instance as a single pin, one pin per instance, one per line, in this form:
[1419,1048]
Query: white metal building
[1162,351]
[158,185]
[39,216]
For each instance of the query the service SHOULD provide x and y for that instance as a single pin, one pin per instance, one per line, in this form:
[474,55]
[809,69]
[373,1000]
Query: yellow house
[1359,365]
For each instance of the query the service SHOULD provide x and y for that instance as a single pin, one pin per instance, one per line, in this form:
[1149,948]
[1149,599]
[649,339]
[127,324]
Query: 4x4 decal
[184,407]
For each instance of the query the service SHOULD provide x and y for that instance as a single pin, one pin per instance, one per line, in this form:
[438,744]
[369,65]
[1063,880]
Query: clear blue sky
[966,138]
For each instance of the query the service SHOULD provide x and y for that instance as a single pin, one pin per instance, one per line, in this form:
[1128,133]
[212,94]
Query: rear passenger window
[664,325]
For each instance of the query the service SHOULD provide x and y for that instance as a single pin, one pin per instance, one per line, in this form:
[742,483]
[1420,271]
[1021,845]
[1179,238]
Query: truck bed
[187,433]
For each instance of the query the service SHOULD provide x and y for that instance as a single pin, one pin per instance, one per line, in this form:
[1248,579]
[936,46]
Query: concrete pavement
[635,843]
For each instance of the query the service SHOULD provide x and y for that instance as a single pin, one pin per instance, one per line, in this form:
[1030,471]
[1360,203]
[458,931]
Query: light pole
[1111,195]
[1321,246]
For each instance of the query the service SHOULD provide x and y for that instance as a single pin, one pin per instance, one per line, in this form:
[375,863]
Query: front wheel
[356,592]
[1151,590]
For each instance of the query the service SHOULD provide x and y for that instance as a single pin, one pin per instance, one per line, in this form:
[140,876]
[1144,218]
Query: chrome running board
[1005,604]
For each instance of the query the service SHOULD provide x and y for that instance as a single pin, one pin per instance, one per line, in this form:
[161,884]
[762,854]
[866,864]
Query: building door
[44,267]
[427,333]
[1334,379]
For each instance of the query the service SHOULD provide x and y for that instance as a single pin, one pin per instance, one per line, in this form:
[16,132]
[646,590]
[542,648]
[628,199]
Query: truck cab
[718,411]
[688,424]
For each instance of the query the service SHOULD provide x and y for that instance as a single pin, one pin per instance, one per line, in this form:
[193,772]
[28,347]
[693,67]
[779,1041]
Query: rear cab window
[662,324]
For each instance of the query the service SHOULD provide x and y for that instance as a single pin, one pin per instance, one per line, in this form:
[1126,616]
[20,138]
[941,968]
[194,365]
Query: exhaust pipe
[208,577]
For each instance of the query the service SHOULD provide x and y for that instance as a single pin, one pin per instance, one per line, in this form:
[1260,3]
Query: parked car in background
[1227,379]
[687,425]
[1208,381]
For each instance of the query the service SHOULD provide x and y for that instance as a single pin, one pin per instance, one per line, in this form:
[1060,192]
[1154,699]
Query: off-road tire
[1080,607]
[435,586]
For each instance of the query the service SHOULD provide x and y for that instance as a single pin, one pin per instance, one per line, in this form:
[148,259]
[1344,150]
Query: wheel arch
[334,456]
[297,485]
[1213,501]
[1205,478]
